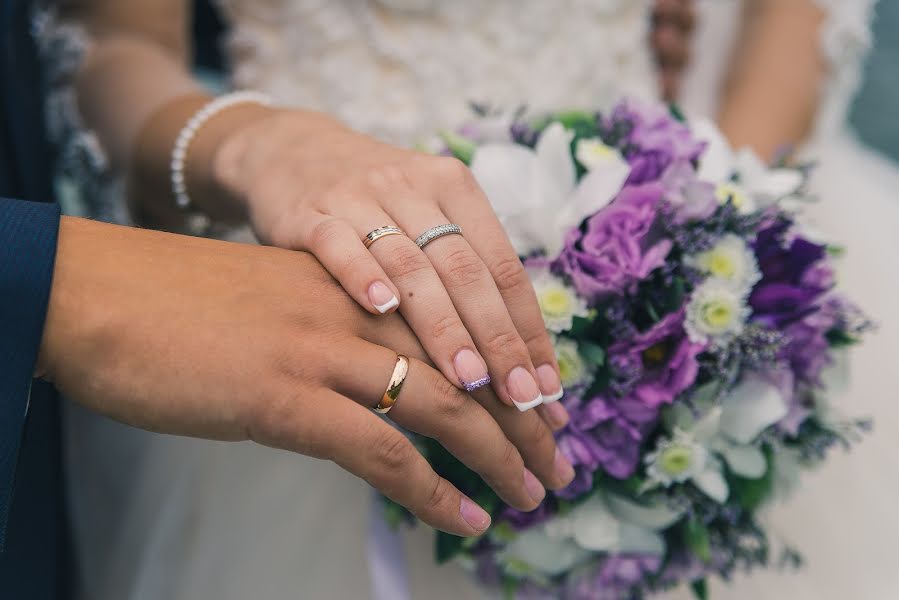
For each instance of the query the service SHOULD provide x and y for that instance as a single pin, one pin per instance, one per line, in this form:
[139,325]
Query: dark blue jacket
[33,563]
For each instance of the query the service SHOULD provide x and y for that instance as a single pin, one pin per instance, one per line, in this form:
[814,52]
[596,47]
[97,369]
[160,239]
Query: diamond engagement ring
[435,232]
[374,236]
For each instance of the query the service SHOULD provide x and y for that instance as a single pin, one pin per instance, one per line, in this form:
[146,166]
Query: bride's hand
[312,184]
[229,341]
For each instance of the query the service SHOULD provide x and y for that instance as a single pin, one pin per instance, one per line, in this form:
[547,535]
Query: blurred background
[874,114]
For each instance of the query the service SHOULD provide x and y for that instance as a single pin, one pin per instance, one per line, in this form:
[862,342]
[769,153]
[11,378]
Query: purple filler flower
[617,247]
[613,578]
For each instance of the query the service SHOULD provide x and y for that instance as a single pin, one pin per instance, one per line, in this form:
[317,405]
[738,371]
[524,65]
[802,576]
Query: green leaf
[510,588]
[448,547]
[700,589]
[697,538]
[752,493]
[593,354]
[503,532]
[395,514]
[462,148]
[838,338]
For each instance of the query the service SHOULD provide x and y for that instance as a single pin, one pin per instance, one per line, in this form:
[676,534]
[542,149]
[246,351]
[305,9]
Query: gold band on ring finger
[375,235]
[388,400]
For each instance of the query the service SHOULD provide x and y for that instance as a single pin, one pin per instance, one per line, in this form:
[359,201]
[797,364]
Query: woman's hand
[312,184]
[227,341]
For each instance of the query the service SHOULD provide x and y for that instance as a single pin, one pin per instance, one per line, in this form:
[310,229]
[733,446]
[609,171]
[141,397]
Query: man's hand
[227,341]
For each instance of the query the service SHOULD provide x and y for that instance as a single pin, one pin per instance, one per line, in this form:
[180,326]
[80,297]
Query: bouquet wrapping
[700,340]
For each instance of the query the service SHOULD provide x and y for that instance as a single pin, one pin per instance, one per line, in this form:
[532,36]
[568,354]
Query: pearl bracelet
[187,134]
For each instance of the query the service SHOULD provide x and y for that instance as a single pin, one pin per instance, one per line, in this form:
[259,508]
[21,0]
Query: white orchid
[603,523]
[726,431]
[741,176]
[535,192]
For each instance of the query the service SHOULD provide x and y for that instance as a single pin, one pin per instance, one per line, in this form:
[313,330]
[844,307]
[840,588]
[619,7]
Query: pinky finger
[336,245]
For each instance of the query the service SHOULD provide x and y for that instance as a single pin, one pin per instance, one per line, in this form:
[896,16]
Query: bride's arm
[772,92]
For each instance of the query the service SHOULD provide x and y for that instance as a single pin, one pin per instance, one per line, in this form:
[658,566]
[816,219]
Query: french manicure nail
[563,469]
[523,390]
[556,414]
[474,515]
[470,370]
[550,384]
[381,296]
[535,489]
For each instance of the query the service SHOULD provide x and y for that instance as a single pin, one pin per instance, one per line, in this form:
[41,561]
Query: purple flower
[668,359]
[794,277]
[654,140]
[690,198]
[523,520]
[613,578]
[618,246]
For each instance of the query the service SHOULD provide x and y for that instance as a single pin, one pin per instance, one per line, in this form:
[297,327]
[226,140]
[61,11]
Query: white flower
[742,175]
[592,153]
[731,261]
[602,523]
[716,312]
[683,458]
[535,192]
[558,302]
[572,368]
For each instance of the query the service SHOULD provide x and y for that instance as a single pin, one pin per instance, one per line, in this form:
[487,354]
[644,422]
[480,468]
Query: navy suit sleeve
[28,236]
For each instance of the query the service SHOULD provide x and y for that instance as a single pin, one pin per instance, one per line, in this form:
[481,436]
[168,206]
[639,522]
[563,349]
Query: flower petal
[546,554]
[712,483]
[594,527]
[745,461]
[555,174]
[716,164]
[637,540]
[753,406]
[655,516]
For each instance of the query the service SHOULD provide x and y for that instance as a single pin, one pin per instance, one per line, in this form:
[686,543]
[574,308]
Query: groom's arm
[28,235]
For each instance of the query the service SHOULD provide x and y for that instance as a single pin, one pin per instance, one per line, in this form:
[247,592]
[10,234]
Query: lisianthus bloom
[793,277]
[654,141]
[614,577]
[617,247]
[691,198]
[667,358]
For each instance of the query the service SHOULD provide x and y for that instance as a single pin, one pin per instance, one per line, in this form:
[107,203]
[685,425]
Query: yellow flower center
[718,314]
[676,460]
[601,151]
[729,191]
[555,301]
[721,265]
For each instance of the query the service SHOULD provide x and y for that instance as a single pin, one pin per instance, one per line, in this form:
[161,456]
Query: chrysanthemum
[716,313]
[731,261]
[558,302]
[676,459]
[741,199]
[572,368]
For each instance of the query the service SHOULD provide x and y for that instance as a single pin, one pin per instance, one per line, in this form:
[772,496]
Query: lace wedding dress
[162,517]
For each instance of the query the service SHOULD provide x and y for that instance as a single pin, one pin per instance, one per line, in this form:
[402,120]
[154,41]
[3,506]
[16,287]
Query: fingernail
[470,370]
[523,390]
[474,515]
[557,414]
[535,488]
[550,384]
[381,296]
[563,469]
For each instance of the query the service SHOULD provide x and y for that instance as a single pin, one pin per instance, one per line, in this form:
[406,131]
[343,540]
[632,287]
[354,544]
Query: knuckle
[539,438]
[506,343]
[510,455]
[451,402]
[391,178]
[326,232]
[444,326]
[406,261]
[452,171]
[510,275]
[438,495]
[463,267]
[393,453]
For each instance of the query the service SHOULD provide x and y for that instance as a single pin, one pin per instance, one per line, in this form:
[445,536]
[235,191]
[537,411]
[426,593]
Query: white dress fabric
[162,517]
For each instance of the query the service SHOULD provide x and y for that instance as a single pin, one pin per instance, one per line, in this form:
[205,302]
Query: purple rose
[668,359]
[617,247]
[654,139]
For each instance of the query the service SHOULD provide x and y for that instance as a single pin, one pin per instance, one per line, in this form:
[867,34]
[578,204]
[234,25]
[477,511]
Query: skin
[228,341]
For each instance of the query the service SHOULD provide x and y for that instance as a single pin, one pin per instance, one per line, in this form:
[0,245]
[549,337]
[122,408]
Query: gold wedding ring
[374,236]
[400,369]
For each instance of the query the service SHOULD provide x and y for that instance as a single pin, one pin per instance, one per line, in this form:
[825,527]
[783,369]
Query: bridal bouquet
[699,337]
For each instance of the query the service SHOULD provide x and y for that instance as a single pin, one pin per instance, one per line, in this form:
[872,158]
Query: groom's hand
[226,341]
